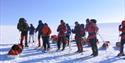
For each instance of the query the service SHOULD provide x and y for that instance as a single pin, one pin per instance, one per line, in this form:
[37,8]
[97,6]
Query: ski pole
[69,45]
[119,37]
[35,40]
[101,37]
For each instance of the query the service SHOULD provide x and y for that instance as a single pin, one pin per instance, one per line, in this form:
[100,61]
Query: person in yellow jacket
[46,34]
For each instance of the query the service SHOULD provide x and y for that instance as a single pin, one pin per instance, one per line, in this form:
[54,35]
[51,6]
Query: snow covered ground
[9,35]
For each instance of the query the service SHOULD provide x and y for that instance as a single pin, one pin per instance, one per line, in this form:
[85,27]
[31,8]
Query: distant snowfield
[9,35]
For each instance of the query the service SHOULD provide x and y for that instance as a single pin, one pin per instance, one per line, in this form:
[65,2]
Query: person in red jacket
[87,23]
[122,29]
[62,29]
[92,30]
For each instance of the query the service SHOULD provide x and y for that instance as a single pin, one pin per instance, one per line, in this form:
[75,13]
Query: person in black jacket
[78,37]
[39,28]
[23,27]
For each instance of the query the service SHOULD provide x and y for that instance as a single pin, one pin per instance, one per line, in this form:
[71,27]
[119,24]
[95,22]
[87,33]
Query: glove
[35,31]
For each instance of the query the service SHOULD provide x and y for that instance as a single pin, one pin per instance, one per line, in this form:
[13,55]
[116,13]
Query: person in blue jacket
[31,33]
[68,33]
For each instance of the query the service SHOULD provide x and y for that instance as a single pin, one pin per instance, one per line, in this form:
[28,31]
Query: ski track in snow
[35,55]
[31,55]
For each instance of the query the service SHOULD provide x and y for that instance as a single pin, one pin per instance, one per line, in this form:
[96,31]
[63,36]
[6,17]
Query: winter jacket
[78,33]
[92,29]
[123,32]
[77,30]
[39,27]
[46,31]
[31,30]
[68,31]
[62,29]
[86,27]
[23,27]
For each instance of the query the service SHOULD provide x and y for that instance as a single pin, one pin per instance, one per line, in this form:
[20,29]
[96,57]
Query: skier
[86,26]
[82,32]
[46,31]
[61,35]
[92,30]
[23,27]
[39,28]
[78,37]
[122,29]
[31,32]
[68,33]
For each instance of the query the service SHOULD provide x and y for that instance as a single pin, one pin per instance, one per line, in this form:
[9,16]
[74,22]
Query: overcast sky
[52,11]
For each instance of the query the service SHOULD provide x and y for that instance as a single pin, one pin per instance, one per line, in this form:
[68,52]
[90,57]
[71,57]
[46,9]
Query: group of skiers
[92,29]
[43,30]
[64,32]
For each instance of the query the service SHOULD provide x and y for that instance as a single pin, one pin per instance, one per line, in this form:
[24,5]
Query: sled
[118,44]
[16,49]
[54,38]
[106,44]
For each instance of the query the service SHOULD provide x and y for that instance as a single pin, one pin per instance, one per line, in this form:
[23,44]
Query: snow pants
[24,36]
[94,46]
[63,41]
[46,43]
[39,36]
[122,45]
[78,40]
[68,37]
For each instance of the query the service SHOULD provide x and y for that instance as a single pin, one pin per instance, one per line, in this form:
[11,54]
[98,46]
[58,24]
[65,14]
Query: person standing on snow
[83,33]
[87,24]
[122,29]
[68,33]
[23,27]
[31,33]
[46,31]
[78,37]
[92,30]
[39,28]
[62,29]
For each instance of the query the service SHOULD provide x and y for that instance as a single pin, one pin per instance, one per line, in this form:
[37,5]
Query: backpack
[22,26]
[46,31]
[82,32]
